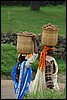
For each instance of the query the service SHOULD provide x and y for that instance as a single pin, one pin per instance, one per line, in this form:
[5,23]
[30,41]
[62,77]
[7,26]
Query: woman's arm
[35,44]
[35,53]
[56,67]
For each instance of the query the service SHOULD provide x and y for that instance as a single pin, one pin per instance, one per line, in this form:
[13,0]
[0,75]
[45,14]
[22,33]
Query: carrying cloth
[21,87]
[43,55]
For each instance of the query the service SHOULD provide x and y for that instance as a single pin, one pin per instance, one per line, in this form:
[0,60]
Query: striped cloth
[49,70]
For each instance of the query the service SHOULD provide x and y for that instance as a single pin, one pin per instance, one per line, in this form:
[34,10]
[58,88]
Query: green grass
[61,66]
[47,94]
[8,58]
[23,19]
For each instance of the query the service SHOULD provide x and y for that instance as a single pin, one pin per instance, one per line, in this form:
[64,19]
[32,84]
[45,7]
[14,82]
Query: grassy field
[47,94]
[15,19]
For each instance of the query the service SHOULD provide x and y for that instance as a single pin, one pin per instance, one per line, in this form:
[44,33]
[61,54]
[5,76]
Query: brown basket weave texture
[24,43]
[49,38]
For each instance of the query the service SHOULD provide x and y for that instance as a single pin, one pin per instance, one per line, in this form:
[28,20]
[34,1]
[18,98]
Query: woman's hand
[35,44]
[34,38]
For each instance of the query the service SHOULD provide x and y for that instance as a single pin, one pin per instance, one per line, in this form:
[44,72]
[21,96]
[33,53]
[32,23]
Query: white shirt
[30,60]
[49,58]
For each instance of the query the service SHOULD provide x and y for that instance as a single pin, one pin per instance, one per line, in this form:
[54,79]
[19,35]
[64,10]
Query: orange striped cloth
[43,57]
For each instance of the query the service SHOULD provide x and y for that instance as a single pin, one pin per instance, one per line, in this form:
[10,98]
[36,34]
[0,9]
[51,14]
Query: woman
[46,76]
[51,70]
[23,67]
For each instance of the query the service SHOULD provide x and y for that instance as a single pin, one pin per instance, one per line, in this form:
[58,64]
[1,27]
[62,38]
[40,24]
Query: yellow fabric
[29,55]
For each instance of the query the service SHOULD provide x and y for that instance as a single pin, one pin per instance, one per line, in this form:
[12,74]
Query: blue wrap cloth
[21,87]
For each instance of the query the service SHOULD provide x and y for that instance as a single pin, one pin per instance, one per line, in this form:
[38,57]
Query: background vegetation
[28,3]
[15,19]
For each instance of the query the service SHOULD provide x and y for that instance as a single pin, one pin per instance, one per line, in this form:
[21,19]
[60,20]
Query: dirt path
[7,91]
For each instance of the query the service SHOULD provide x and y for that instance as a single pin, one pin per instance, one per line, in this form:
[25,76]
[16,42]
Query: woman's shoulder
[49,58]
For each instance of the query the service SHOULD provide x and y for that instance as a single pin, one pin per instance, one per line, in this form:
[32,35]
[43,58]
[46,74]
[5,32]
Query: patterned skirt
[48,74]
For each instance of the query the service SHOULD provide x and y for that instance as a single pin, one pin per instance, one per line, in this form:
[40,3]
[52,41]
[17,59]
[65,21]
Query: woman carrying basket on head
[22,77]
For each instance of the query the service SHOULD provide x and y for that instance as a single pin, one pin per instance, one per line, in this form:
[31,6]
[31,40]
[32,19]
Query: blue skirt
[21,87]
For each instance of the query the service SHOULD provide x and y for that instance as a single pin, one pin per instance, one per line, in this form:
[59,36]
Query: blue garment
[22,86]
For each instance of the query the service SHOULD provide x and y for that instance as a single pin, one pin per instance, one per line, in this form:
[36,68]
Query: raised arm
[35,44]
[35,53]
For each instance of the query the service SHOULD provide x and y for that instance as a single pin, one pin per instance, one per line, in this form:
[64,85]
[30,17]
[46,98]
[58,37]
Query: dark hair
[20,60]
[50,52]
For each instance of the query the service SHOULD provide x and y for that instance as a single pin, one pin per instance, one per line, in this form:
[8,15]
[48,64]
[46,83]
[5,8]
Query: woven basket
[49,37]
[24,43]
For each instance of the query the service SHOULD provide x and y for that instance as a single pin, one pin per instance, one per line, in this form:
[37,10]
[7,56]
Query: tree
[35,5]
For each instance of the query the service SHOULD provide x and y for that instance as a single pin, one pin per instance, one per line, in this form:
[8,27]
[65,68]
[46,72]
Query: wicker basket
[49,37]
[24,43]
